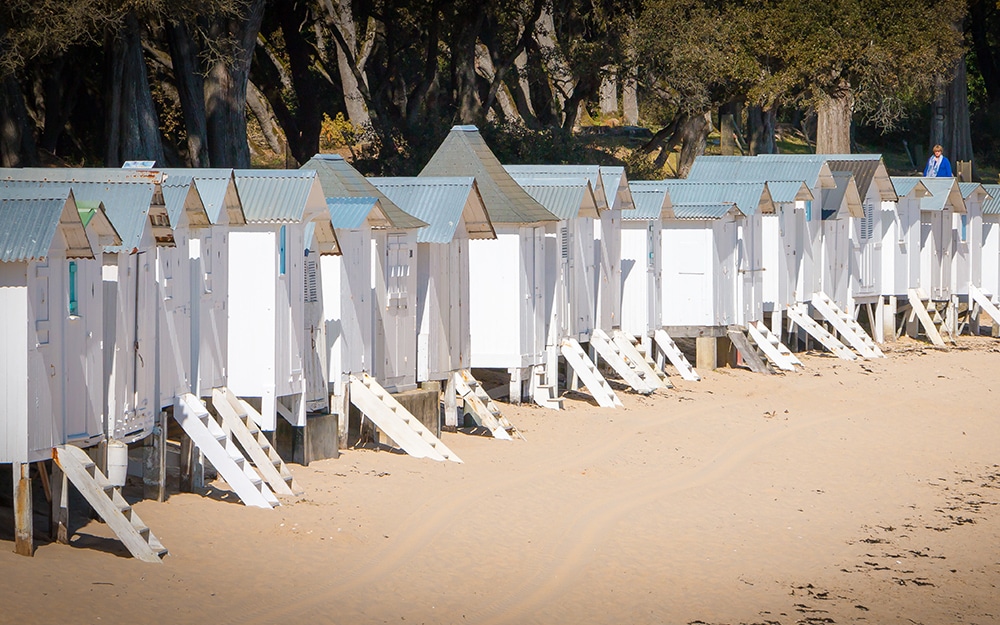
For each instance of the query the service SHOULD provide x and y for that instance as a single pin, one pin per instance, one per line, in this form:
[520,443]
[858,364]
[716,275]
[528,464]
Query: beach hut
[267,284]
[968,229]
[642,262]
[508,285]
[991,242]
[455,214]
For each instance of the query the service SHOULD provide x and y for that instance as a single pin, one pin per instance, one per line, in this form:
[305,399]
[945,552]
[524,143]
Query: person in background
[938,165]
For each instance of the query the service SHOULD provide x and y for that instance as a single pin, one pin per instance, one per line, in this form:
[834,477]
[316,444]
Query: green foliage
[515,144]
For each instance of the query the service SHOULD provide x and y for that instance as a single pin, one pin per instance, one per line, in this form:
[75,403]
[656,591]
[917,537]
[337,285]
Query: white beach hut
[991,241]
[508,284]
[267,284]
[642,262]
[968,228]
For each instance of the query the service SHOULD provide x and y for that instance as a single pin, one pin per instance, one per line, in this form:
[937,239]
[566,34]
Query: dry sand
[848,492]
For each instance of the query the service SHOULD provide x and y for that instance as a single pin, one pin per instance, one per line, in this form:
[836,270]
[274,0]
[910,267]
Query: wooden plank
[59,510]
[638,360]
[24,540]
[798,314]
[769,349]
[611,353]
[587,371]
[919,307]
[235,424]
[676,356]
[690,332]
[750,355]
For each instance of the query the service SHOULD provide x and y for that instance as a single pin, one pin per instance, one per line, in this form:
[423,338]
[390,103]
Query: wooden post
[24,543]
[706,353]
[187,451]
[516,386]
[451,403]
[59,516]
[154,461]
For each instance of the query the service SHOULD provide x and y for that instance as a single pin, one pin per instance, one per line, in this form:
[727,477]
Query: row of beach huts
[198,317]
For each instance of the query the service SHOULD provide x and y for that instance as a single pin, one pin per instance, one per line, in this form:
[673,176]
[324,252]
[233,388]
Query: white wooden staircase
[637,357]
[986,304]
[753,357]
[799,315]
[846,326]
[543,393]
[397,422]
[587,371]
[237,420]
[675,355]
[772,347]
[627,368]
[109,504]
[481,406]
[221,450]
[921,306]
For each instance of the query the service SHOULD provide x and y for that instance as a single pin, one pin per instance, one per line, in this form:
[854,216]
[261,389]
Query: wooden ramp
[611,353]
[846,326]
[587,371]
[799,315]
[396,421]
[984,302]
[772,347]
[237,420]
[109,504]
[542,393]
[921,306]
[637,357]
[751,356]
[221,450]
[481,406]
[675,355]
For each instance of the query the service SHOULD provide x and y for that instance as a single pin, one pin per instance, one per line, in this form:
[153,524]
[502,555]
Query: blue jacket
[944,169]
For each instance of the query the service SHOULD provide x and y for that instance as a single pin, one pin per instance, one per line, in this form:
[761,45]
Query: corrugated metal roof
[749,197]
[591,172]
[350,213]
[704,211]
[942,192]
[217,189]
[181,196]
[464,153]
[652,201]
[992,206]
[440,203]
[788,191]
[30,218]
[846,191]
[763,168]
[970,189]
[565,198]
[277,196]
[339,179]
[616,189]
[126,198]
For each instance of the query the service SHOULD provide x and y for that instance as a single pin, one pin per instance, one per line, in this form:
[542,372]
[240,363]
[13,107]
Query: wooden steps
[221,450]
[849,329]
[799,315]
[985,303]
[772,347]
[637,356]
[481,406]
[921,306]
[109,504]
[587,371]
[675,355]
[611,353]
[237,420]
[747,350]
[396,421]
[543,393]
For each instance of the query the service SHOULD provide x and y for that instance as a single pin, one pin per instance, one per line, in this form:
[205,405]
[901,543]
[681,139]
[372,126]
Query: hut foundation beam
[24,540]
[59,516]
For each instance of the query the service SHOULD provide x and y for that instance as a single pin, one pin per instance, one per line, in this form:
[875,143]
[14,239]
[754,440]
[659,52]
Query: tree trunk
[343,20]
[630,100]
[60,85]
[226,89]
[833,124]
[470,109]
[761,122]
[609,92]
[522,92]
[729,129]
[981,43]
[484,67]
[133,130]
[17,138]
[269,125]
[959,135]
[694,134]
[303,140]
[559,73]
[190,89]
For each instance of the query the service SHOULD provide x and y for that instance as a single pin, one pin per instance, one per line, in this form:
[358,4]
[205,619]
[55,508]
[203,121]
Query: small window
[809,210]
[73,306]
[281,251]
[965,229]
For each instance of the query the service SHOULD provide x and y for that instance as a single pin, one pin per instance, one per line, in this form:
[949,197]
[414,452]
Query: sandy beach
[844,493]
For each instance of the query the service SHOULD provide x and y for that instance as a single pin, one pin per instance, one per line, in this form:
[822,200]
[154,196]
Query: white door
[398,263]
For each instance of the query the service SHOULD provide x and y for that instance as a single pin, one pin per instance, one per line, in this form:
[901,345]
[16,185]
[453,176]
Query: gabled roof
[339,179]
[30,219]
[131,198]
[566,198]
[464,153]
[181,197]
[96,220]
[350,213]
[274,195]
[591,172]
[788,191]
[943,192]
[217,189]
[704,211]
[973,190]
[905,185]
[845,191]
[992,205]
[616,189]
[652,201]
[441,203]
[868,169]
[763,168]
[749,197]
